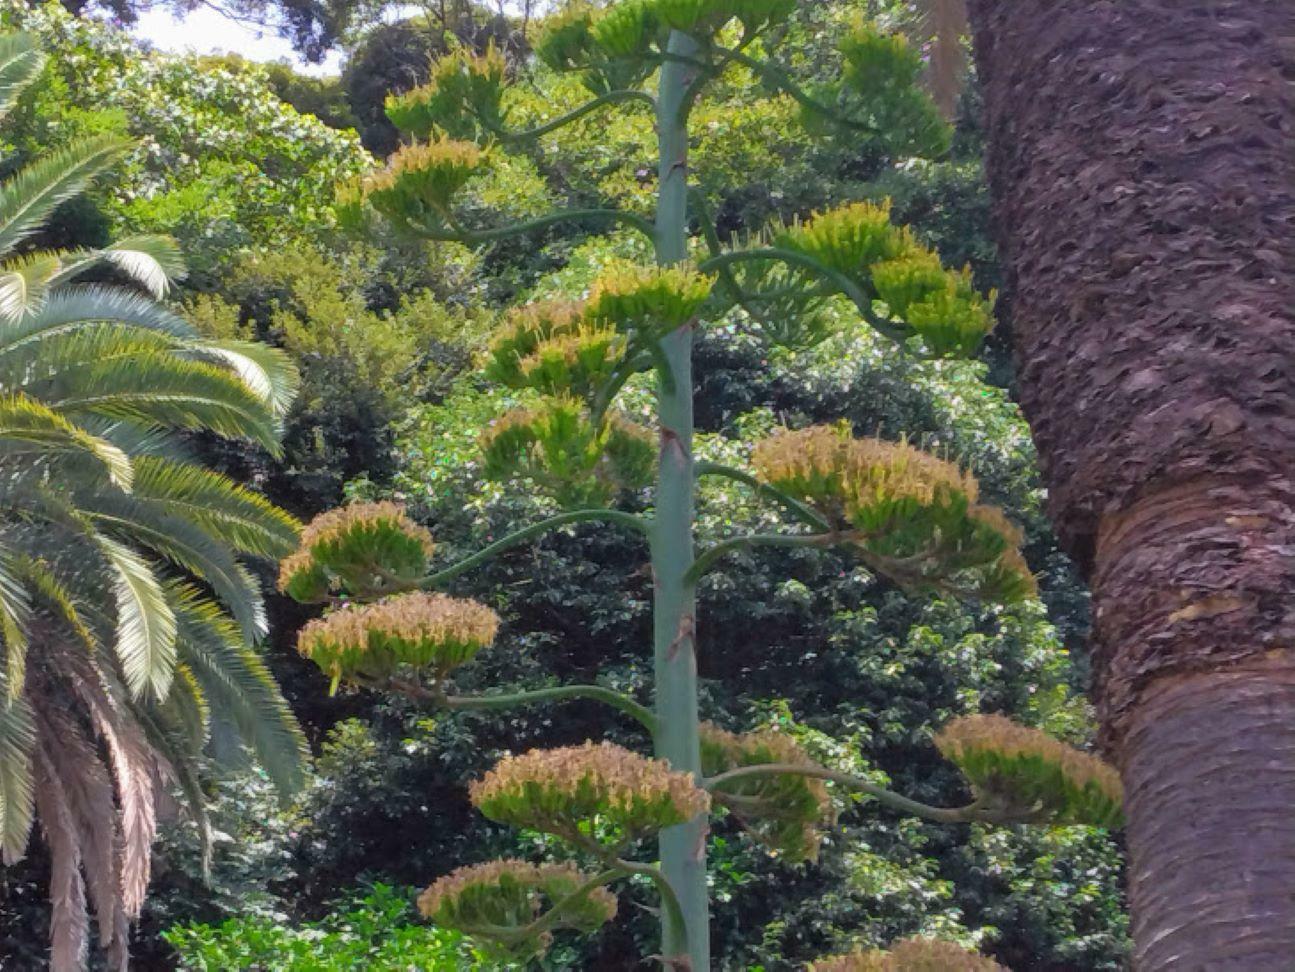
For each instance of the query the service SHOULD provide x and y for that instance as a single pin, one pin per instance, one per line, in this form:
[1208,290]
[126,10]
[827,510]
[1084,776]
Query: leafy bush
[378,932]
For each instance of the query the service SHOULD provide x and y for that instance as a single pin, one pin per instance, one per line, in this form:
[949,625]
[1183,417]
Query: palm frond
[239,687]
[186,545]
[20,64]
[15,614]
[170,391]
[69,923]
[81,305]
[230,513]
[25,280]
[146,625]
[17,741]
[29,198]
[27,423]
[151,260]
[268,371]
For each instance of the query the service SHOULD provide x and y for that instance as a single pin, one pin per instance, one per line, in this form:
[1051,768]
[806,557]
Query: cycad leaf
[89,305]
[146,626]
[20,63]
[29,198]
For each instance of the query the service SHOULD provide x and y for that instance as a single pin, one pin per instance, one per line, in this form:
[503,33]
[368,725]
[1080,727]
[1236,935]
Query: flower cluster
[910,955]
[420,181]
[786,812]
[461,97]
[651,300]
[431,632]
[859,241]
[577,461]
[526,328]
[910,514]
[589,792]
[1022,773]
[507,896]
[360,548]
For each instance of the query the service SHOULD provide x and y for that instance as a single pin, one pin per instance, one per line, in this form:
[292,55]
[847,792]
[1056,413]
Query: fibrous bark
[1142,164]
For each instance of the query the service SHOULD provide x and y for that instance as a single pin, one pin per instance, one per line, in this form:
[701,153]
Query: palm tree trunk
[1141,155]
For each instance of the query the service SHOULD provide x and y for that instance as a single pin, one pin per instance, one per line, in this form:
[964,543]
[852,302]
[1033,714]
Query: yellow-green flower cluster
[941,306]
[507,896]
[461,97]
[1023,773]
[359,548]
[849,239]
[421,180]
[649,299]
[526,328]
[591,791]
[577,461]
[787,812]
[709,16]
[627,29]
[430,632]
[910,955]
[912,515]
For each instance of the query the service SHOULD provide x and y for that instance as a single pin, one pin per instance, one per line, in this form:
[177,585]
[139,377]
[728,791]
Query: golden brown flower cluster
[343,520]
[825,466]
[910,955]
[452,886]
[911,515]
[785,812]
[569,791]
[428,631]
[1029,772]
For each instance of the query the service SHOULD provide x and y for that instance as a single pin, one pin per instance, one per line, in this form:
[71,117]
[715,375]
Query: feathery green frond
[83,305]
[151,260]
[29,198]
[20,64]
[17,738]
[267,371]
[25,420]
[146,626]
[239,686]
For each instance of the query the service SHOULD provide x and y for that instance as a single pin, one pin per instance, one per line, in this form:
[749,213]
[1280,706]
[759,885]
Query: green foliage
[378,931]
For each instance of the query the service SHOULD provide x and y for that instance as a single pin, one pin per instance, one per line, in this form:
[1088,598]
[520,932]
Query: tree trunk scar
[683,636]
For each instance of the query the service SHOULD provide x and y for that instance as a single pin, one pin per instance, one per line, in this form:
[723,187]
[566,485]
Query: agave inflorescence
[785,812]
[910,955]
[589,792]
[576,459]
[651,300]
[911,514]
[526,328]
[461,97]
[429,632]
[859,241]
[420,181]
[364,547]
[1022,773]
[498,900]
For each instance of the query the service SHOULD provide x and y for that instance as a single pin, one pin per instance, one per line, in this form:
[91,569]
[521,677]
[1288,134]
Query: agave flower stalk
[912,517]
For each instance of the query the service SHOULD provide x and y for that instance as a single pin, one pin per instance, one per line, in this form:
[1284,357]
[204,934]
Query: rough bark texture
[1142,161]
[1212,853]
[1142,164]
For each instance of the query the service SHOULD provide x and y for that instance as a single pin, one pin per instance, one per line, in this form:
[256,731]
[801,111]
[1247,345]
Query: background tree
[905,513]
[124,610]
[1145,201]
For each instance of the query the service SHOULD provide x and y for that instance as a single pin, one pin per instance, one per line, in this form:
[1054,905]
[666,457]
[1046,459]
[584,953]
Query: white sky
[204,31]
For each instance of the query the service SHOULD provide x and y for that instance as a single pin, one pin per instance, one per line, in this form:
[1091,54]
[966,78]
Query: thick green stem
[611,97]
[683,848]
[619,517]
[559,693]
[883,796]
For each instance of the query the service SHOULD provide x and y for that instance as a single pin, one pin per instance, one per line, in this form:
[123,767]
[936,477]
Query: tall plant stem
[683,848]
